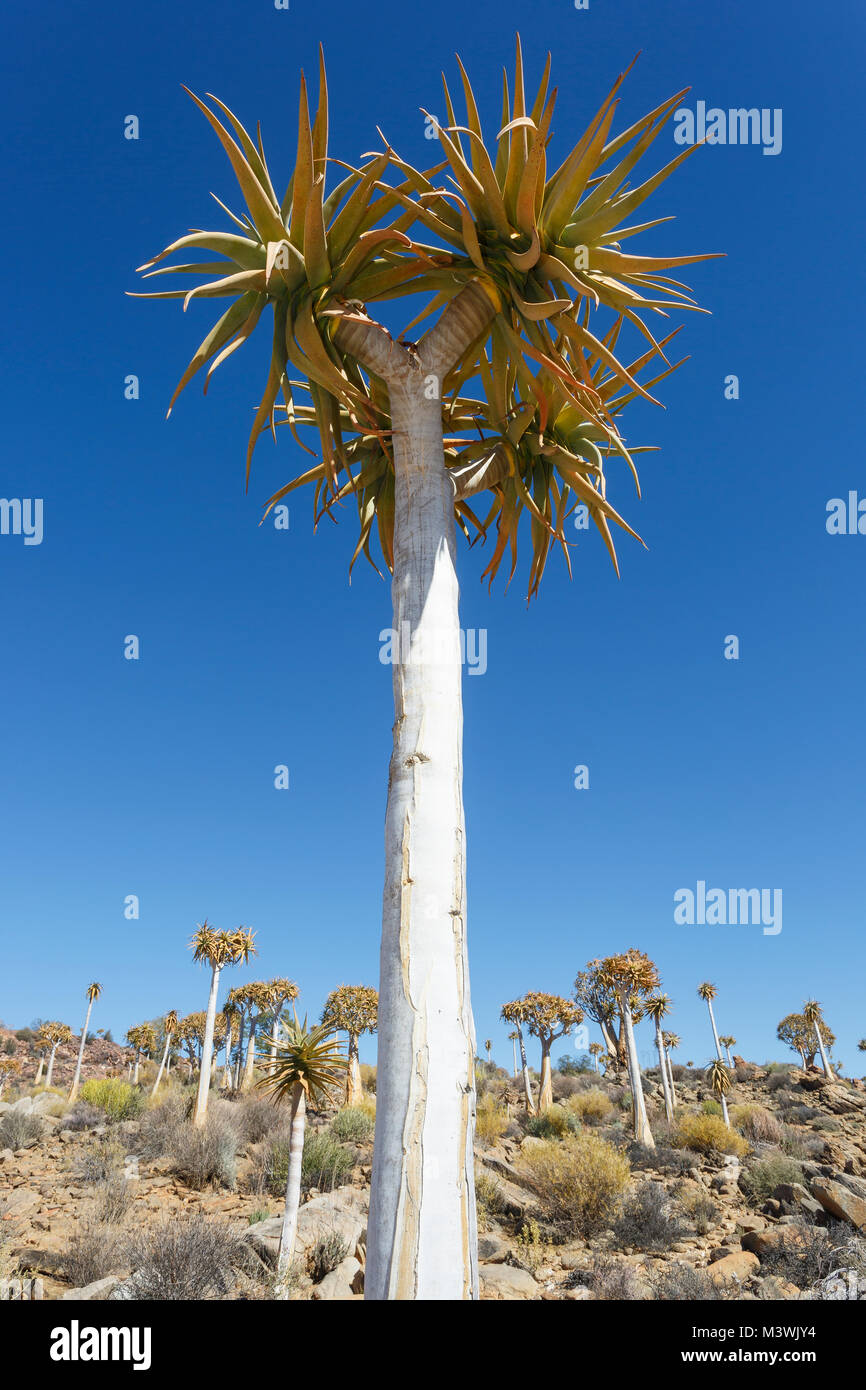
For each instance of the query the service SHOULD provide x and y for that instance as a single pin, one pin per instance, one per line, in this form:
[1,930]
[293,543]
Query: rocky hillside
[101,1058]
[569,1208]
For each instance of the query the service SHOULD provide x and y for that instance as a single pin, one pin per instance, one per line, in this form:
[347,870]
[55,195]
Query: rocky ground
[101,1058]
[719,1237]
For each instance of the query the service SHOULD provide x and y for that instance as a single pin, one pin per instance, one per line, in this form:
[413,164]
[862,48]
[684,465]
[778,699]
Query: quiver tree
[283,992]
[813,1016]
[142,1037]
[720,1083]
[728,1042]
[169,1023]
[671,1041]
[548,1018]
[258,998]
[522,261]
[9,1067]
[93,992]
[598,999]
[633,976]
[798,1033]
[218,949]
[352,1009]
[595,1051]
[512,1038]
[657,1007]
[309,1068]
[708,992]
[514,1013]
[232,1013]
[56,1035]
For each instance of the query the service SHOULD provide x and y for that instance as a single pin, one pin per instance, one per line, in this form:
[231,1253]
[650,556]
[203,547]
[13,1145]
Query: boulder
[92,1293]
[22,1202]
[492,1249]
[840,1202]
[773,1289]
[763,1242]
[506,1282]
[341,1213]
[342,1283]
[739,1265]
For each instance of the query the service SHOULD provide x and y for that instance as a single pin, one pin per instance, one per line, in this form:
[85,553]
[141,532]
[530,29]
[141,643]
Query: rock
[772,1288]
[100,1289]
[507,1282]
[840,1202]
[739,1265]
[492,1249]
[750,1223]
[6,1155]
[571,1260]
[577,1295]
[340,1284]
[340,1212]
[21,1202]
[763,1242]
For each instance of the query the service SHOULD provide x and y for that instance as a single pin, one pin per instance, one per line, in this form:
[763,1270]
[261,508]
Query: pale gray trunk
[162,1064]
[241,1033]
[137,1065]
[724,1105]
[50,1072]
[227,1067]
[422,1229]
[729,1057]
[200,1112]
[293,1191]
[660,1047]
[354,1088]
[715,1033]
[514,1051]
[249,1064]
[642,1131]
[77,1077]
[524,1066]
[40,1069]
[671,1077]
[828,1070]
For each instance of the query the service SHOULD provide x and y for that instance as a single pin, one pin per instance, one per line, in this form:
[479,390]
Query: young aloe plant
[522,264]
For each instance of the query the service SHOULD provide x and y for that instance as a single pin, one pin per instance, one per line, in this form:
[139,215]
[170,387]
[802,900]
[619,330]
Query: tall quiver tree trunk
[354,1088]
[200,1113]
[76,1080]
[715,1031]
[50,1071]
[524,1070]
[162,1063]
[642,1132]
[545,1090]
[825,1064]
[422,1228]
[289,1228]
[663,1069]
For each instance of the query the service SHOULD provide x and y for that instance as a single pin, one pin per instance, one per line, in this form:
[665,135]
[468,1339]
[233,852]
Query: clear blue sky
[155,777]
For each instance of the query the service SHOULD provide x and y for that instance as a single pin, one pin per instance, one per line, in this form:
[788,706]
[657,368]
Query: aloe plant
[522,262]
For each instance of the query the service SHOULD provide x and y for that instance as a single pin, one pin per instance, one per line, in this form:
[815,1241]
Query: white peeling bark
[40,1069]
[247,1078]
[50,1071]
[200,1114]
[660,1048]
[642,1132]
[77,1077]
[293,1191]
[162,1063]
[725,1116]
[671,1077]
[422,1235]
[545,1090]
[715,1032]
[524,1066]
[828,1070]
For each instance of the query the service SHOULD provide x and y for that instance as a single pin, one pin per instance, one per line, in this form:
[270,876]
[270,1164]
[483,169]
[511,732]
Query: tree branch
[466,319]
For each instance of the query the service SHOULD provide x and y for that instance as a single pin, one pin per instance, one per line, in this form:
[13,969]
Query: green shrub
[553,1123]
[708,1134]
[325,1164]
[699,1208]
[761,1178]
[118,1099]
[488,1200]
[327,1253]
[353,1124]
[710,1107]
[577,1181]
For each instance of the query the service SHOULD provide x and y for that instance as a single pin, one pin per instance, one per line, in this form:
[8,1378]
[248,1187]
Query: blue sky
[155,777]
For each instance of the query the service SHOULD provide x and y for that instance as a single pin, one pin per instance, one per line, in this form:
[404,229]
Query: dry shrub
[258,1119]
[578,1181]
[708,1134]
[190,1257]
[19,1130]
[205,1157]
[682,1283]
[113,1200]
[83,1116]
[488,1200]
[699,1208]
[591,1107]
[647,1220]
[368,1078]
[91,1253]
[760,1180]
[613,1281]
[99,1160]
[755,1122]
